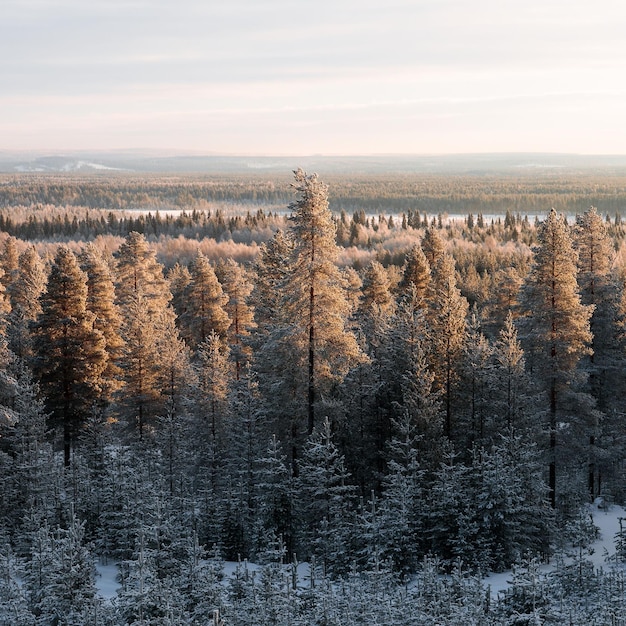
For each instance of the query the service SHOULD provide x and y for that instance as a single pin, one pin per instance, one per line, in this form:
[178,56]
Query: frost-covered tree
[601,289]
[274,498]
[314,296]
[433,246]
[139,274]
[557,334]
[28,284]
[402,508]
[139,400]
[239,309]
[416,271]
[324,506]
[446,316]
[510,382]
[107,320]
[70,352]
[60,576]
[205,301]
[476,382]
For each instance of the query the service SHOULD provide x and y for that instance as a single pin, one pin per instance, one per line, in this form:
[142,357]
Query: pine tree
[9,261]
[238,288]
[70,354]
[149,333]
[271,268]
[476,382]
[314,297]
[511,384]
[433,247]
[61,577]
[179,278]
[28,284]
[140,274]
[139,400]
[416,270]
[205,301]
[214,381]
[33,471]
[325,502]
[108,320]
[402,507]
[446,318]
[274,499]
[600,288]
[557,328]
[376,290]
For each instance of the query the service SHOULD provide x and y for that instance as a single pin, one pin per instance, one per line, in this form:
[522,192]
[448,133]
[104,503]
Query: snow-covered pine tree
[69,351]
[416,271]
[205,301]
[236,284]
[446,315]
[274,500]
[475,384]
[557,334]
[601,288]
[27,285]
[314,297]
[108,320]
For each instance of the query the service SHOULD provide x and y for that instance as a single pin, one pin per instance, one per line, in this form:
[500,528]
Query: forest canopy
[384,376]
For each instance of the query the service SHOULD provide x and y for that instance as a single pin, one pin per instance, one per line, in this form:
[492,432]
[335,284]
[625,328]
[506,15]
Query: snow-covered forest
[401,401]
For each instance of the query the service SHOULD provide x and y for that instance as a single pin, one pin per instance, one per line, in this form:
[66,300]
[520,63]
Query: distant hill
[146,162]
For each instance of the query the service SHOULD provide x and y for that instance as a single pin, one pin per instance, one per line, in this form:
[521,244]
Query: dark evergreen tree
[70,353]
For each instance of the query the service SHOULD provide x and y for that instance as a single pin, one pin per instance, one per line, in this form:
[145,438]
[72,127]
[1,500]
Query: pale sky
[300,77]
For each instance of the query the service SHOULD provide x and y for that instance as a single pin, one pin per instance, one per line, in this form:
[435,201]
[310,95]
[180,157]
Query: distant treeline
[393,193]
[48,223]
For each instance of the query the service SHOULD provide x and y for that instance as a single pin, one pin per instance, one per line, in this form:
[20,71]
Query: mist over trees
[389,397]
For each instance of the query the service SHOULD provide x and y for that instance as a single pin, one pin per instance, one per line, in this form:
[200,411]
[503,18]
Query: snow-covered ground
[599,553]
[106,580]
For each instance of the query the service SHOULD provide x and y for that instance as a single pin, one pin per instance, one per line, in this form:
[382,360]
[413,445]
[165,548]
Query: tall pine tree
[557,329]
[70,353]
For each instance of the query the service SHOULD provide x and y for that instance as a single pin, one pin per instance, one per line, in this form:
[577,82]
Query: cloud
[151,70]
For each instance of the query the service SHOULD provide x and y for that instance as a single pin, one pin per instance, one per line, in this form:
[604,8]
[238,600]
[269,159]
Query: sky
[302,77]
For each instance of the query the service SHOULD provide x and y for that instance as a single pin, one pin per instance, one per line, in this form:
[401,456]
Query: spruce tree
[70,353]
